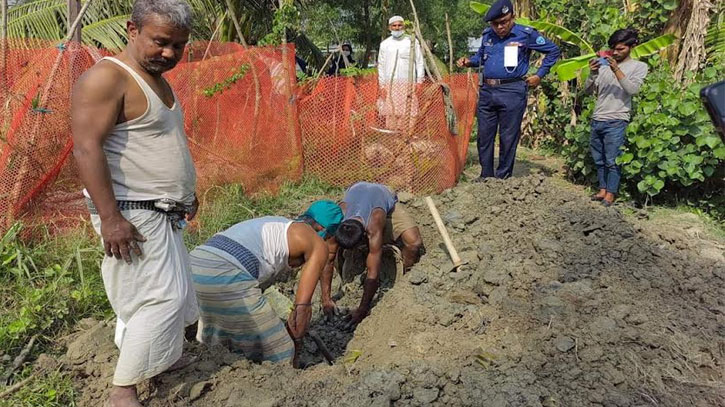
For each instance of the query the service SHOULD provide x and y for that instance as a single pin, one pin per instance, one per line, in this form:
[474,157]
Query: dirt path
[563,303]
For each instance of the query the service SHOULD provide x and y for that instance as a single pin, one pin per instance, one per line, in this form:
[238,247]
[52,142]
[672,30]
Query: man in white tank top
[134,161]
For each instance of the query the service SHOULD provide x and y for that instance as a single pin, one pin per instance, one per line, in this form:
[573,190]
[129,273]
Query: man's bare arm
[328,306]
[96,103]
[304,241]
[375,256]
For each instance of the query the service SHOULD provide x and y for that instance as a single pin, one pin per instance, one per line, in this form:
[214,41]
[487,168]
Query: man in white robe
[135,163]
[400,69]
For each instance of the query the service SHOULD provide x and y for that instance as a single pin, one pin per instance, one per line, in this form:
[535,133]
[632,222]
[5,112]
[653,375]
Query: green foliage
[228,82]
[671,143]
[652,46]
[48,286]
[355,71]
[600,18]
[286,18]
[54,389]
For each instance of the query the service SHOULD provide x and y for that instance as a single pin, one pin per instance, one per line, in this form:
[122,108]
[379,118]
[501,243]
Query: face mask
[346,53]
[397,33]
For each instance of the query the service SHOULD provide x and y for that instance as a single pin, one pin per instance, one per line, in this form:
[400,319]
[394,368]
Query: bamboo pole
[292,119]
[5,92]
[450,44]
[253,68]
[213,35]
[74,6]
[24,163]
[450,111]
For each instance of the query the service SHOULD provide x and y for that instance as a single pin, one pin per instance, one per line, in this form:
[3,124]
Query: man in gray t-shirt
[615,78]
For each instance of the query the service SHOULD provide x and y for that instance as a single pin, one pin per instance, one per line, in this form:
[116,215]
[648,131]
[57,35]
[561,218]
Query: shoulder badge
[540,40]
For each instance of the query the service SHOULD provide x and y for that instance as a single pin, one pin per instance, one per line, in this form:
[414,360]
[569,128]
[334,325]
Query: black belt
[126,206]
[497,82]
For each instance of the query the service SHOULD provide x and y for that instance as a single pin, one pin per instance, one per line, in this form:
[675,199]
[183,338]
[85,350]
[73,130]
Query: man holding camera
[615,77]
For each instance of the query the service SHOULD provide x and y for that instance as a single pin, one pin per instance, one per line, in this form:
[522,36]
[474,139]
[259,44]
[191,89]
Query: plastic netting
[351,133]
[239,110]
[247,122]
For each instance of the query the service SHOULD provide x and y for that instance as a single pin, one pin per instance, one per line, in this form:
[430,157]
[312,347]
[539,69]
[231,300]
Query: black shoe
[596,198]
[479,180]
[606,203]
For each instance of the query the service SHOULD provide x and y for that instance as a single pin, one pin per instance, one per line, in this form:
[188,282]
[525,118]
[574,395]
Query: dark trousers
[500,109]
[606,143]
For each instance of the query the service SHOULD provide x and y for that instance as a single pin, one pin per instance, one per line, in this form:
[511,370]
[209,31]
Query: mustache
[162,61]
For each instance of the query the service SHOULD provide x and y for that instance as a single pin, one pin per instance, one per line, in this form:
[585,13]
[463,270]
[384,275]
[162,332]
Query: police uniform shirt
[491,52]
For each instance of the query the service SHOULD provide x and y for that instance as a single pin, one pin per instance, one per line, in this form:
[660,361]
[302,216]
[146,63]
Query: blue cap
[327,213]
[499,9]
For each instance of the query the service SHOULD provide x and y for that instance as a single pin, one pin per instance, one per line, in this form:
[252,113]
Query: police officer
[504,56]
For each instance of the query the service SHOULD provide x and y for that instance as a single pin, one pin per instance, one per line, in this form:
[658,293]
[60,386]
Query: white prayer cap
[395,19]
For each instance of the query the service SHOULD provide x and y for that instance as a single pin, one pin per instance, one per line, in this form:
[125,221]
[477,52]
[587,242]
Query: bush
[671,143]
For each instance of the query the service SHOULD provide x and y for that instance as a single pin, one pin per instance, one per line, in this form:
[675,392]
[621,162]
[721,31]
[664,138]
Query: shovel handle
[444,233]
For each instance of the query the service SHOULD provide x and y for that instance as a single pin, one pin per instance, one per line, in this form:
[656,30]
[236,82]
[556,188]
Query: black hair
[347,44]
[350,233]
[626,36]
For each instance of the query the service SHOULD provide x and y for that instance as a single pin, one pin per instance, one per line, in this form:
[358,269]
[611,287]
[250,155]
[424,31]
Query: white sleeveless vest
[148,156]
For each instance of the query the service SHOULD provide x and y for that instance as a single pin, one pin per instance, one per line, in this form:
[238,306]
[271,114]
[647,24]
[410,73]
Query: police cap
[499,9]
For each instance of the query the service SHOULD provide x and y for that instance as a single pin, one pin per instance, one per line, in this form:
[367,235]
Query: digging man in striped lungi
[134,161]
[231,269]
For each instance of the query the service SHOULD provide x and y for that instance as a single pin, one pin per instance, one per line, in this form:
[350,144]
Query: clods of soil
[562,303]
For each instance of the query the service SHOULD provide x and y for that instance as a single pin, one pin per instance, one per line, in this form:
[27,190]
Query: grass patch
[54,389]
[227,205]
[47,286]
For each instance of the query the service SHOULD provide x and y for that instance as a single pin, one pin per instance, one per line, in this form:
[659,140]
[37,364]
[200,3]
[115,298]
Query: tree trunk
[368,33]
[677,26]
[385,5]
[524,8]
[74,6]
[693,51]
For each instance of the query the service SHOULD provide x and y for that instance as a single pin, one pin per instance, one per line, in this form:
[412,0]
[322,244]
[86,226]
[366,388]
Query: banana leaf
[557,31]
[715,39]
[560,33]
[567,70]
[653,46]
[478,7]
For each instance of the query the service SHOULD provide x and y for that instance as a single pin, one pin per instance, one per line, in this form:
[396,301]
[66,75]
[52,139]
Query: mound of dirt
[562,303]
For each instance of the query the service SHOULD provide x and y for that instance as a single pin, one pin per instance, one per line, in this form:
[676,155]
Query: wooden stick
[5,95]
[255,76]
[450,110]
[450,45]
[20,359]
[323,348]
[19,385]
[213,35]
[444,233]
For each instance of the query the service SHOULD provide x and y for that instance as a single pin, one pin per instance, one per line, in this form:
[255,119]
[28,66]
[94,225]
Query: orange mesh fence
[240,118]
[350,132]
[240,115]
[246,121]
